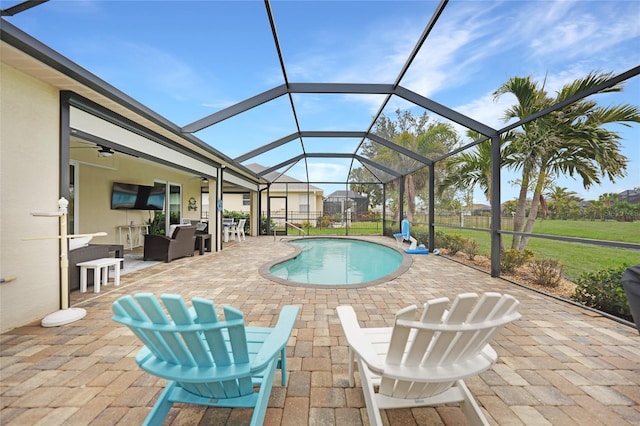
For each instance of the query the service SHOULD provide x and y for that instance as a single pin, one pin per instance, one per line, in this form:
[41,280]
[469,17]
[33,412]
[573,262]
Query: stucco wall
[29,149]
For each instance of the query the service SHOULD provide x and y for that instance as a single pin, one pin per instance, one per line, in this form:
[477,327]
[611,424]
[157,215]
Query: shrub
[512,259]
[323,221]
[603,291]
[441,239]
[421,235]
[471,248]
[455,243]
[389,231]
[547,272]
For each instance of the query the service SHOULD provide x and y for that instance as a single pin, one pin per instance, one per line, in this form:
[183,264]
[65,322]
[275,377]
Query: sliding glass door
[174,201]
[172,209]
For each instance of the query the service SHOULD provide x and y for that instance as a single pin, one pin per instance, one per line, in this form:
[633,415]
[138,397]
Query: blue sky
[189,59]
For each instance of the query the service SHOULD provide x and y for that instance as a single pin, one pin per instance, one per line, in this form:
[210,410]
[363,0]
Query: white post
[65,315]
[64,253]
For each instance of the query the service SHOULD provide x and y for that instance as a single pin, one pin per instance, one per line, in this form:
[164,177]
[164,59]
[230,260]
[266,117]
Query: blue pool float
[421,249]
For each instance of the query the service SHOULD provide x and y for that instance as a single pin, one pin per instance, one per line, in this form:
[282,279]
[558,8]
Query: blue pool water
[338,261]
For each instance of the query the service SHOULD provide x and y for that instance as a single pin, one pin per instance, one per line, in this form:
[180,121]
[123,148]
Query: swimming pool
[338,262]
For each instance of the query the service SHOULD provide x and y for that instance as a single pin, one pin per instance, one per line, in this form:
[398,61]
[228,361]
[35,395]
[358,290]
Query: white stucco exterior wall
[29,181]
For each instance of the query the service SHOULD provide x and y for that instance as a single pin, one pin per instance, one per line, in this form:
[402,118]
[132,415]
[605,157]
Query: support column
[65,180]
[432,197]
[495,205]
[384,207]
[401,203]
[254,214]
[219,208]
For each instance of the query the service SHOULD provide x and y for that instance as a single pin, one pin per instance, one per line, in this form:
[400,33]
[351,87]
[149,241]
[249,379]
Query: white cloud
[488,111]
[328,172]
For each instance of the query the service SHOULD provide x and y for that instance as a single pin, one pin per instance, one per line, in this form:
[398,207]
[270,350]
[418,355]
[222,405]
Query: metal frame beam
[444,111]
[267,147]
[377,166]
[277,166]
[235,109]
[400,149]
[21,7]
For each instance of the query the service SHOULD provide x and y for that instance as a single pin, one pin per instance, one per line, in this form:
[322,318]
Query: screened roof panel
[327,169]
[323,111]
[338,145]
[363,172]
[476,47]
[192,61]
[251,129]
[316,52]
[278,155]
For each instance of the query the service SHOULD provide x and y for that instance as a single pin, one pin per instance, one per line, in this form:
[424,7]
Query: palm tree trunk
[533,212]
[410,194]
[521,210]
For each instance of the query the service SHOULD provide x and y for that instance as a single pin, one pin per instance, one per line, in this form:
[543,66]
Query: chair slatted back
[443,338]
[181,340]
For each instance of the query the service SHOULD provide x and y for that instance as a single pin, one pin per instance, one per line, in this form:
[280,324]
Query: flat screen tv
[129,196]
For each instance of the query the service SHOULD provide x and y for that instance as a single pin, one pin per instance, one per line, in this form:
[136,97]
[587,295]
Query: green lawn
[576,258]
[628,232]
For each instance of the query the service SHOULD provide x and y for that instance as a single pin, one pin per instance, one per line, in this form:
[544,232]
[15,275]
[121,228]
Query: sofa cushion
[75,243]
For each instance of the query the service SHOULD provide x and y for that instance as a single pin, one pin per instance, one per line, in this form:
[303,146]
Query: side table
[100,272]
[203,242]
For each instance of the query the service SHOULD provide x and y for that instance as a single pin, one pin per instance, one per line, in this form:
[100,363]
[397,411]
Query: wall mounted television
[129,196]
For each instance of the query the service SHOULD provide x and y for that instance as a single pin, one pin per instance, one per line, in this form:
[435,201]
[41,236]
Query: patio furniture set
[184,241]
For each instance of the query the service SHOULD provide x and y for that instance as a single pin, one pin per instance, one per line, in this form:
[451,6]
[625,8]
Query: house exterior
[632,196]
[286,199]
[65,133]
[338,202]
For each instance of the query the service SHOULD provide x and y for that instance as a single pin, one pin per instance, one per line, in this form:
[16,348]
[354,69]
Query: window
[303,203]
[246,199]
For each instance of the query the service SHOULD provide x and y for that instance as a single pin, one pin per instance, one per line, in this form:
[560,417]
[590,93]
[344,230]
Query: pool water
[338,261]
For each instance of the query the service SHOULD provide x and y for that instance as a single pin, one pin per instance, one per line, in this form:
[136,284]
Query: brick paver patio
[558,365]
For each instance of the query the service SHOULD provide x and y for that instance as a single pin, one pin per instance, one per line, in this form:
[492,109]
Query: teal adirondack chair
[207,361]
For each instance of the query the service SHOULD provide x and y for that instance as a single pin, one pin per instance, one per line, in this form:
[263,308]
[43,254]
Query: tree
[570,141]
[418,134]
[562,202]
[470,169]
[361,181]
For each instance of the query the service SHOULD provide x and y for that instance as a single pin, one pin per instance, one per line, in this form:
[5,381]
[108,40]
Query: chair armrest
[278,337]
[154,240]
[358,340]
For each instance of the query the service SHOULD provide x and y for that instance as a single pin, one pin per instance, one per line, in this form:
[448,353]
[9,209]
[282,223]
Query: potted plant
[156,224]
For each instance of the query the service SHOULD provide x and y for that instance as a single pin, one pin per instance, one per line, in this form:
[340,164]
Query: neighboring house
[286,200]
[632,196]
[481,210]
[338,202]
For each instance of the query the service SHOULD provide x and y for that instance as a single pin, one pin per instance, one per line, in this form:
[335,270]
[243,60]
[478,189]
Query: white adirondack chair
[424,362]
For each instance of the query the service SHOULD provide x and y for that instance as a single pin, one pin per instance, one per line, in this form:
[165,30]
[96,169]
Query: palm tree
[609,198]
[562,200]
[470,169]
[570,141]
[524,145]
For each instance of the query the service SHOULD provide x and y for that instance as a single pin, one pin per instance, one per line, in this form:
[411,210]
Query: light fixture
[105,151]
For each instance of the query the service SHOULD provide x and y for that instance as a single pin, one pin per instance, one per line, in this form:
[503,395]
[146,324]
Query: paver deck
[559,365]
